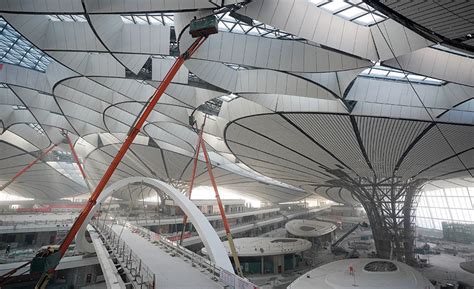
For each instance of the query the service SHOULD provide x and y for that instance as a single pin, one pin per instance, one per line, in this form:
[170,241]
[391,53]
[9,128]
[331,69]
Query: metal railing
[142,276]
[228,278]
[4,224]
[204,264]
[155,218]
[27,253]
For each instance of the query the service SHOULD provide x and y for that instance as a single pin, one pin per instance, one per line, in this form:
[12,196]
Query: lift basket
[203,26]
[41,264]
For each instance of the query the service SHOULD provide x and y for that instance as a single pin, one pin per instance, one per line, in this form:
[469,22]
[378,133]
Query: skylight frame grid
[68,17]
[165,19]
[230,24]
[351,4]
[396,75]
[68,169]
[17,50]
[37,127]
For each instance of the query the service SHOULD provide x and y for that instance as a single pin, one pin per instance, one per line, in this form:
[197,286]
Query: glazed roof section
[15,49]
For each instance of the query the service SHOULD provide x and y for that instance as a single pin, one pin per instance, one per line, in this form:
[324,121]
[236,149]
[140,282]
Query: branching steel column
[390,205]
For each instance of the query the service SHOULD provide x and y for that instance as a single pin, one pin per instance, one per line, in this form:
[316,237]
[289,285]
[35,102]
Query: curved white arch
[208,235]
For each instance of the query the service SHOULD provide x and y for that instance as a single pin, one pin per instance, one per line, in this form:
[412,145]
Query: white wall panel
[391,39]
[312,23]
[425,62]
[160,68]
[42,6]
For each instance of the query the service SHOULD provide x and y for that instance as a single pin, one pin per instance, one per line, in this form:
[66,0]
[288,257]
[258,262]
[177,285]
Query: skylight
[415,77]
[166,19]
[334,6]
[15,49]
[229,97]
[369,19]
[19,107]
[37,128]
[211,107]
[352,12]
[379,71]
[228,23]
[453,51]
[235,66]
[68,18]
[355,10]
[69,170]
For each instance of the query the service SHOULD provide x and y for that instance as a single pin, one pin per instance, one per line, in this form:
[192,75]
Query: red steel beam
[222,211]
[193,176]
[120,154]
[23,170]
[76,158]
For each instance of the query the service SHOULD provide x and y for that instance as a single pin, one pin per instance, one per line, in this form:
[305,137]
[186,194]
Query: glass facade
[452,205]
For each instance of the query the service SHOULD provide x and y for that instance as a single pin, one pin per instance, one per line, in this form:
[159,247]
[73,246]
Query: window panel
[467,214]
[455,215]
[451,205]
[437,224]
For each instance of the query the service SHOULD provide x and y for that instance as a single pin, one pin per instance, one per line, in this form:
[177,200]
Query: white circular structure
[259,246]
[368,274]
[309,228]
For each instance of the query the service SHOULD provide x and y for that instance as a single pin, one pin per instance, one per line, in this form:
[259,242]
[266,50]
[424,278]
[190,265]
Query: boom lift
[38,263]
[338,241]
[48,262]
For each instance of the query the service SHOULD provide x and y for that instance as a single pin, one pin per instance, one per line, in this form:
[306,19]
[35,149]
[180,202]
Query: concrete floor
[445,268]
[171,272]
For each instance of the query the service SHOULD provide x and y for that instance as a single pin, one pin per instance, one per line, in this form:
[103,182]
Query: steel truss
[390,205]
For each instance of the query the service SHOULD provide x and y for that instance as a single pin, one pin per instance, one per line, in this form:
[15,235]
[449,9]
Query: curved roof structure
[294,90]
